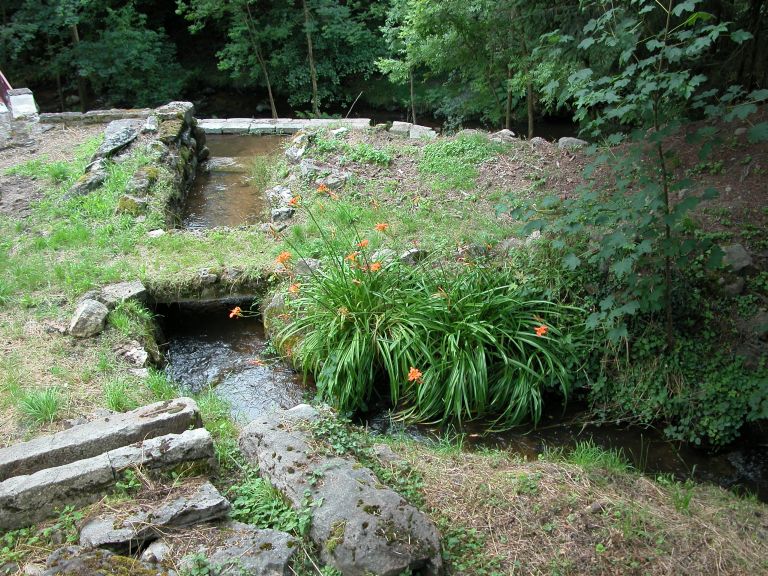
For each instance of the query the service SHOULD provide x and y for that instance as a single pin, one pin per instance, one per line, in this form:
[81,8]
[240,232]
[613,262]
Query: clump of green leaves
[258,503]
[41,406]
[454,163]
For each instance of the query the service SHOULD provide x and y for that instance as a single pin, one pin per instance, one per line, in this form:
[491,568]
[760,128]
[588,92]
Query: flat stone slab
[94,438]
[359,525]
[205,504]
[114,294]
[78,561]
[25,500]
[117,135]
[276,125]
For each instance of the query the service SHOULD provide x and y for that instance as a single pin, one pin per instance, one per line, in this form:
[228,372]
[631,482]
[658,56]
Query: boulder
[133,205]
[294,154]
[538,142]
[335,180]
[307,266]
[282,214]
[279,195]
[89,319]
[736,257]
[309,168]
[249,550]
[400,128]
[177,110]
[79,561]
[133,353]
[337,132]
[413,256]
[156,552]
[205,504]
[504,136]
[117,135]
[420,132]
[93,178]
[114,294]
[570,143]
[151,125]
[359,526]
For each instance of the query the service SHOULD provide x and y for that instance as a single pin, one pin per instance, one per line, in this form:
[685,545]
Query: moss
[170,130]
[336,536]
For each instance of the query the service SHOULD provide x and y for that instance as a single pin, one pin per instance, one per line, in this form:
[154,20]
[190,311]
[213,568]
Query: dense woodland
[490,62]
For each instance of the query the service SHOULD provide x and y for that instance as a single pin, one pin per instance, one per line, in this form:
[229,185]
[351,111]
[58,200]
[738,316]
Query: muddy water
[226,195]
[207,349]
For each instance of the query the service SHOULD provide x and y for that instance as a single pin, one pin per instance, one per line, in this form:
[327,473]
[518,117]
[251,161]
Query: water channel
[208,349]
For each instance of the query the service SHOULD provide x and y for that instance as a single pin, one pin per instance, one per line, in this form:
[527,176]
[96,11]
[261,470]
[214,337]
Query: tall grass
[439,344]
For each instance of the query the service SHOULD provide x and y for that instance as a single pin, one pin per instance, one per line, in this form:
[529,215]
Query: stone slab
[22,103]
[99,436]
[25,500]
[401,128]
[236,126]
[249,550]
[359,526]
[276,125]
[113,294]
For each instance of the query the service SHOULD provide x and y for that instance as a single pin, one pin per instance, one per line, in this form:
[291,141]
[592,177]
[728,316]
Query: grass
[119,395]
[590,456]
[41,406]
[454,163]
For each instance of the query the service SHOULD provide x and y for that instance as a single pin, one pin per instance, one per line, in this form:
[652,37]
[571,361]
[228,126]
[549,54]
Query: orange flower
[333,195]
[352,256]
[236,312]
[363,243]
[256,362]
[294,288]
[382,226]
[541,330]
[294,201]
[323,189]
[414,375]
[283,257]
[375,266]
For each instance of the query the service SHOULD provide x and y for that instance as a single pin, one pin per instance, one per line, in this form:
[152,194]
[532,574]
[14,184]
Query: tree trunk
[508,122]
[413,103]
[260,58]
[529,98]
[312,70]
[82,88]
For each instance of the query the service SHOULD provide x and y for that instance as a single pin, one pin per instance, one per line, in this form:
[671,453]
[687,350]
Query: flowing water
[224,194]
[207,349]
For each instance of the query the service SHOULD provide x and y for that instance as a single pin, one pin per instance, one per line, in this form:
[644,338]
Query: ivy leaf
[622,267]
[586,43]
[571,261]
[715,259]
[616,334]
[741,36]
[759,95]
[687,6]
[758,133]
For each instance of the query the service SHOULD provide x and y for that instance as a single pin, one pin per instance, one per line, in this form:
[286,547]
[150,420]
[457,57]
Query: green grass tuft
[41,406]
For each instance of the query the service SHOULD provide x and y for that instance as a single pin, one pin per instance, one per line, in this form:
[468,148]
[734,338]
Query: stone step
[276,126]
[25,500]
[99,436]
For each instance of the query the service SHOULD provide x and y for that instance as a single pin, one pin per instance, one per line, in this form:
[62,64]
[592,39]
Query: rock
[150,125]
[223,164]
[300,139]
[339,132]
[737,258]
[114,294]
[271,312]
[89,319]
[117,135]
[472,252]
[204,154]
[384,255]
[132,205]
[176,110]
[758,324]
[334,181]
[509,245]
[133,353]
[504,136]
[156,233]
[282,214]
[400,128]
[413,256]
[107,432]
[384,454]
[740,131]
[170,131]
[307,266]
[538,142]
[249,550]
[89,181]
[294,154]
[78,561]
[206,277]
[570,143]
[156,552]
[419,132]
[141,181]
[309,168]
[279,195]
[735,287]
[359,526]
[34,570]
[25,500]
[205,504]
[273,229]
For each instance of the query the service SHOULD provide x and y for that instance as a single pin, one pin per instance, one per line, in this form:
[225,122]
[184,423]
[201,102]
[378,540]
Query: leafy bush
[257,502]
[439,345]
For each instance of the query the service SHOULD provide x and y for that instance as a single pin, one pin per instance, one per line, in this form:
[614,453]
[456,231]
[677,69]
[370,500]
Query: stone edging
[276,126]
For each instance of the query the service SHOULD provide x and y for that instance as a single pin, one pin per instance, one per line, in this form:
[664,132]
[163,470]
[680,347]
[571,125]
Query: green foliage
[128,484]
[680,492]
[217,420]
[119,395]
[325,144]
[160,385]
[590,456]
[440,345]
[258,503]
[41,406]
[454,163]
[464,550]
[16,545]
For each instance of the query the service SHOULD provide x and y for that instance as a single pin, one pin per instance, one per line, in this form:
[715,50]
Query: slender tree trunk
[82,88]
[312,70]
[531,103]
[508,122]
[59,92]
[492,88]
[413,102]
[260,58]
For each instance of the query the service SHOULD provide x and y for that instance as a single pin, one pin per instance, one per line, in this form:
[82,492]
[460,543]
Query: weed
[453,163]
[41,406]
[258,503]
[215,413]
[464,550]
[160,385]
[132,320]
[590,456]
[118,395]
[128,484]
[680,492]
